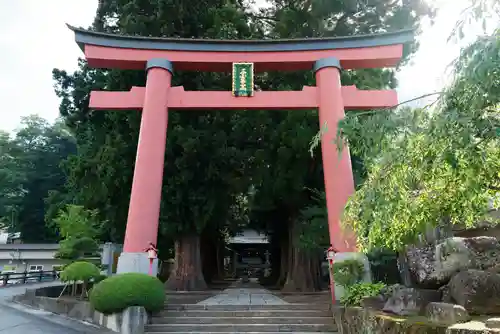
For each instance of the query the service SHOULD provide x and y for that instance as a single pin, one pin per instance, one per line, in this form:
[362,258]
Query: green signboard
[243,79]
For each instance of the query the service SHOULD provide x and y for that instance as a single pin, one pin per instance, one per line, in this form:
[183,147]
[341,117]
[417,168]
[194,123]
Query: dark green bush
[79,271]
[116,293]
[354,294]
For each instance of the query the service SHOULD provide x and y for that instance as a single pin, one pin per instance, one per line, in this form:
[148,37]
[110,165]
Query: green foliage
[80,271]
[432,168]
[79,229]
[348,272]
[116,293]
[354,294]
[99,278]
[30,167]
[313,231]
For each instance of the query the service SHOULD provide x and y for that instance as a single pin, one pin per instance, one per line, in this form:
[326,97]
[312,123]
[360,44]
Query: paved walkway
[17,319]
[244,294]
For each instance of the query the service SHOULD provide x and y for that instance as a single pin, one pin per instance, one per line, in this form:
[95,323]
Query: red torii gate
[160,56]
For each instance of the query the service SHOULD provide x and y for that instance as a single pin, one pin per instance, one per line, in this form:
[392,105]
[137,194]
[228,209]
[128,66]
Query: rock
[492,323]
[445,313]
[478,291]
[433,265]
[410,301]
[356,320]
[494,269]
[445,294]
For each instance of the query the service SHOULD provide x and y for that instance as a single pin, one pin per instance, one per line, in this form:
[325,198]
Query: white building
[28,257]
[18,258]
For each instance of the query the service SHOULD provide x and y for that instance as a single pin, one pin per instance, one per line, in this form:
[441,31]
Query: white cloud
[34,39]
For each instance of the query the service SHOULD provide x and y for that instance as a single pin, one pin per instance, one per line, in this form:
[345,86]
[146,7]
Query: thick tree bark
[187,274]
[304,267]
[207,258]
[212,258]
[285,258]
[275,259]
[219,258]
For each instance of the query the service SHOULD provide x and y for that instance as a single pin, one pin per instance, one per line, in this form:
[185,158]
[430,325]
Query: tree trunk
[284,262]
[275,259]
[212,260]
[207,258]
[219,257]
[304,267]
[187,274]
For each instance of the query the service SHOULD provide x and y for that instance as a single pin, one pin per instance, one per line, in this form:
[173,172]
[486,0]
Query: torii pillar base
[136,263]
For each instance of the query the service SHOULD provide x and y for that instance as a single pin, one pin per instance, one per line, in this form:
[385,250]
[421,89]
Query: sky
[34,39]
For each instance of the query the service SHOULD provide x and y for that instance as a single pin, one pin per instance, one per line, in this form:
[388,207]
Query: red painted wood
[372,57]
[304,99]
[145,197]
[339,181]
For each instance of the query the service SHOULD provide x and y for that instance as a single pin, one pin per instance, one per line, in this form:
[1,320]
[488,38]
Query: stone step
[222,307]
[240,328]
[245,313]
[242,320]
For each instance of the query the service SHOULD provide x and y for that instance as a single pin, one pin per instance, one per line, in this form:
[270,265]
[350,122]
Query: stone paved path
[244,294]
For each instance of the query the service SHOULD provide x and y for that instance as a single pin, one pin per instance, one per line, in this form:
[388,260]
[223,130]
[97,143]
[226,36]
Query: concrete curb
[58,319]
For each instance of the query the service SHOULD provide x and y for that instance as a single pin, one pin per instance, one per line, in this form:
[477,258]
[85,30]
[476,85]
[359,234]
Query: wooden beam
[286,100]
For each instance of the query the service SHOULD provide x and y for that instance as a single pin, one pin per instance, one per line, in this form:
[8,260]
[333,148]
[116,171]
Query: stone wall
[130,321]
[357,320]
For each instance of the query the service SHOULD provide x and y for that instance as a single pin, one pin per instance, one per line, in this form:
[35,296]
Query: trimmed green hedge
[80,271]
[116,293]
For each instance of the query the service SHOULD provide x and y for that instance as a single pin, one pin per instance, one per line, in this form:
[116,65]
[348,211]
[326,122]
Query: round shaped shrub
[99,278]
[79,271]
[116,293]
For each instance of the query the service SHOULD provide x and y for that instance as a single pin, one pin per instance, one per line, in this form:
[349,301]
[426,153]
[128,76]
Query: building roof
[29,247]
[83,37]
[249,236]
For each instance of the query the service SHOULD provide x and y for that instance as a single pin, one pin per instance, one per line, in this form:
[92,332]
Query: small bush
[354,294]
[116,293]
[79,271]
[348,272]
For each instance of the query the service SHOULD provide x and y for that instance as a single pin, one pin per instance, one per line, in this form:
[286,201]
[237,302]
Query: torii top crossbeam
[132,52]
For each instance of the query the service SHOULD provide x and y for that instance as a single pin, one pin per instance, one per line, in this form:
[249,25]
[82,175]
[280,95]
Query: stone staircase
[200,318]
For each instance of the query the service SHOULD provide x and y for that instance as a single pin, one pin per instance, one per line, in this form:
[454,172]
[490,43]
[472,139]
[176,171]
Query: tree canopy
[432,167]
[30,168]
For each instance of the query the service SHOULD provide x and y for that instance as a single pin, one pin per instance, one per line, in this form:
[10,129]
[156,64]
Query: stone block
[446,313]
[135,263]
[410,301]
[134,319]
[476,290]
[493,323]
[434,265]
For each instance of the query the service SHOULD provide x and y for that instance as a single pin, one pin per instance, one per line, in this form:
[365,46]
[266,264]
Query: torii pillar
[337,170]
[145,196]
